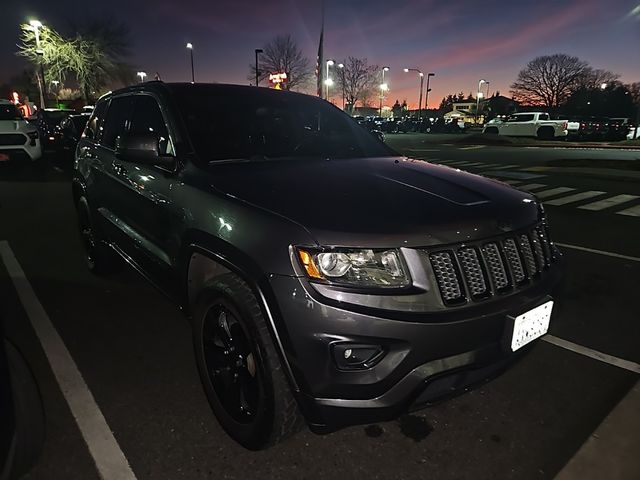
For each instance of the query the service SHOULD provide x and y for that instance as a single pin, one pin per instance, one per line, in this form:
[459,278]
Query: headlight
[358,268]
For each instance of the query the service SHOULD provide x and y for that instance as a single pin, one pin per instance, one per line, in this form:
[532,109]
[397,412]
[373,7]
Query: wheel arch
[202,264]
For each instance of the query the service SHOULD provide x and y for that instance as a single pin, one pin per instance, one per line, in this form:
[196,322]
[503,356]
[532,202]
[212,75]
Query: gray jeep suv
[329,280]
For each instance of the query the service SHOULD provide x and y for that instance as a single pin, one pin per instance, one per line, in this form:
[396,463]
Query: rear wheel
[546,133]
[239,366]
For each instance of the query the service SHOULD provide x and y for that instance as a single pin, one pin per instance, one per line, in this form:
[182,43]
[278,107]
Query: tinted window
[117,120]
[9,111]
[54,117]
[543,116]
[95,121]
[244,123]
[520,118]
[147,118]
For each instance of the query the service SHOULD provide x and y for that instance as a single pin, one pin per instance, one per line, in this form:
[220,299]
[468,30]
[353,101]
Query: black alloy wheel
[231,364]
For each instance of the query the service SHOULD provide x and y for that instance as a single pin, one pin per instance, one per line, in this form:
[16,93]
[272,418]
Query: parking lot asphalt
[133,349]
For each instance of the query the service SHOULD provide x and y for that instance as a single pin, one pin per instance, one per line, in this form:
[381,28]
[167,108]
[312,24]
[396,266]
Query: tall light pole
[341,67]
[383,87]
[480,82]
[328,81]
[421,75]
[56,83]
[258,51]
[190,48]
[36,25]
[426,100]
[141,75]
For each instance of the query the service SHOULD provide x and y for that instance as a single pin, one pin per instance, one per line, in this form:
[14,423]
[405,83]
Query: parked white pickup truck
[530,124]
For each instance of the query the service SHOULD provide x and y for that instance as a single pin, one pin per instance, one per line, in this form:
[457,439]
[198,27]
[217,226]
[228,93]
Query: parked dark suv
[328,278]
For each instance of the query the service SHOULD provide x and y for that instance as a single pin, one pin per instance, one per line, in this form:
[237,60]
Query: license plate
[531,325]
[4,157]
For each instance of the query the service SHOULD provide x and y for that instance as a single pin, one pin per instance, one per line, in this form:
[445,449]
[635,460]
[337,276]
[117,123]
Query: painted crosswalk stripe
[554,191]
[576,197]
[531,186]
[608,202]
[631,212]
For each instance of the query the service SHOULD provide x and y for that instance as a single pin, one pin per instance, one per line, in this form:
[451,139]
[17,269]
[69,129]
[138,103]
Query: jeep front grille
[479,270]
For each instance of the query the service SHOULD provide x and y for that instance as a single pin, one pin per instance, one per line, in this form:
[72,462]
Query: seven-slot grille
[495,266]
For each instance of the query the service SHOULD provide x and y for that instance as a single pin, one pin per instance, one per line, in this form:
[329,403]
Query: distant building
[463,111]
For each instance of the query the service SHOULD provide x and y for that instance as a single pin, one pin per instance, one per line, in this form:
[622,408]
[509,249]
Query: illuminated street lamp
[603,85]
[56,83]
[328,82]
[141,75]
[384,87]
[36,25]
[341,67]
[421,75]
[480,82]
[190,48]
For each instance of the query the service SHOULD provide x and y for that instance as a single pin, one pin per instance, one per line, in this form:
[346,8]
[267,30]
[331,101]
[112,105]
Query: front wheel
[99,257]
[239,366]
[491,131]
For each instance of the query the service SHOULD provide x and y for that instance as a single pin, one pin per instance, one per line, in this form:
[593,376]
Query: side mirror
[142,149]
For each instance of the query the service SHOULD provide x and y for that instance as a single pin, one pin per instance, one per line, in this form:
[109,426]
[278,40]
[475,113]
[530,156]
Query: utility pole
[258,52]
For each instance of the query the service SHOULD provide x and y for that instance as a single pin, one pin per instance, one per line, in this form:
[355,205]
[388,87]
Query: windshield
[243,123]
[9,112]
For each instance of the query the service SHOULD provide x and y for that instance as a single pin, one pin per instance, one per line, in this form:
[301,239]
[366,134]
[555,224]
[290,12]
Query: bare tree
[549,80]
[357,79]
[282,55]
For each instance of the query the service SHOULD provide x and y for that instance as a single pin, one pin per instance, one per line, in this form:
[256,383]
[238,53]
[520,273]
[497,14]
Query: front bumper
[427,355]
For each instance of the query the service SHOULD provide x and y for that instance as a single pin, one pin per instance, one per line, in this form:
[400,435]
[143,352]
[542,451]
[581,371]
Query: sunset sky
[460,41]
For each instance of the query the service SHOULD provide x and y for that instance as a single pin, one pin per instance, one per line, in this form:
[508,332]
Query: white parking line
[531,186]
[598,252]
[554,191]
[473,147]
[632,212]
[512,182]
[575,197]
[595,354]
[608,202]
[103,447]
[504,167]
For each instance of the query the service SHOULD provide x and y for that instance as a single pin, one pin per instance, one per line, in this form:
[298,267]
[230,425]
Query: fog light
[350,356]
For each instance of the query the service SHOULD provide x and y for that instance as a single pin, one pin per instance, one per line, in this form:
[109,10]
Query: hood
[13,126]
[379,202]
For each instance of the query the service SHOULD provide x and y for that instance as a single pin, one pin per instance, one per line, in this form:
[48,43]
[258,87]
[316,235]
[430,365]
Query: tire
[28,412]
[491,131]
[239,366]
[545,133]
[99,257]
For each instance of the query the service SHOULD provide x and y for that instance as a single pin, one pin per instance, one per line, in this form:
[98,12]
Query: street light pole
[421,75]
[479,94]
[426,101]
[190,48]
[36,25]
[383,88]
[56,83]
[258,52]
[328,81]
[341,67]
